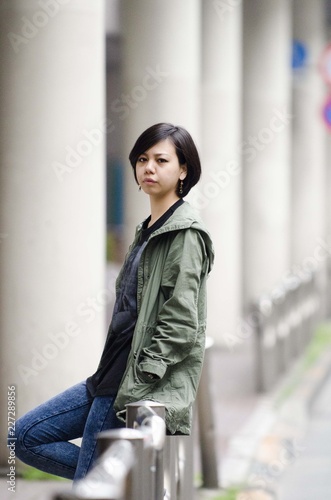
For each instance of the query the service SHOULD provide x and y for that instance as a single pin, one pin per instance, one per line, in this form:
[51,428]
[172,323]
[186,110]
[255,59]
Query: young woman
[155,344]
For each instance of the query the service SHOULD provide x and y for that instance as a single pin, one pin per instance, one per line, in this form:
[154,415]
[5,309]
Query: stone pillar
[52,197]
[328,185]
[220,193]
[160,80]
[267,121]
[309,213]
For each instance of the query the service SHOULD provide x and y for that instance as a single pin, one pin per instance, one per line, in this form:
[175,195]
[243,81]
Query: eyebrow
[157,154]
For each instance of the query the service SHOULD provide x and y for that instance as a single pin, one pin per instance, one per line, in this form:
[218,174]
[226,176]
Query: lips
[148,180]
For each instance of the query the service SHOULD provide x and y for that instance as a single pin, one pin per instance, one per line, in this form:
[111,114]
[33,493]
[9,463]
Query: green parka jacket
[169,336]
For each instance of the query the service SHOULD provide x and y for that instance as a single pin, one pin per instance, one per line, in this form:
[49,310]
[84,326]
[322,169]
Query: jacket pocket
[143,378]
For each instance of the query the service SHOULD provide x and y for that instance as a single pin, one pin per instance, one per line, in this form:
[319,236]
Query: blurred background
[80,80]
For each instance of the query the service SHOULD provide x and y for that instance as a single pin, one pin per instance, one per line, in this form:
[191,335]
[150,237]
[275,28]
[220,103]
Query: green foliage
[229,494]
[320,341]
[32,474]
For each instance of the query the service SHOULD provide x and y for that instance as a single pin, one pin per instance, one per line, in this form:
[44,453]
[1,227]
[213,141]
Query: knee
[18,432]
[17,437]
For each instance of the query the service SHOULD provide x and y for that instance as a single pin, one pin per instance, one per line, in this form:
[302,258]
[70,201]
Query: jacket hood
[185,217]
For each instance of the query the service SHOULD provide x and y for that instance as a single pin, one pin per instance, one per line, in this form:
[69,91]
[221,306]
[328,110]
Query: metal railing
[140,462]
[284,322]
[130,466]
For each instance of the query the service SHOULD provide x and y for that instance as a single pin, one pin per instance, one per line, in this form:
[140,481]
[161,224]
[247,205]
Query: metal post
[207,433]
[185,467]
[307,285]
[317,287]
[308,305]
[137,438]
[296,319]
[107,480]
[171,467]
[282,327]
[291,285]
[266,344]
[145,414]
[134,412]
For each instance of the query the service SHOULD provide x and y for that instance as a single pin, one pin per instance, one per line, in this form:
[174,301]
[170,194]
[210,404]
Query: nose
[150,168]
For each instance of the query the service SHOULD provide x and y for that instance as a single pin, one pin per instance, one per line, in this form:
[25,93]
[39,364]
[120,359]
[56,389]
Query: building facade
[80,80]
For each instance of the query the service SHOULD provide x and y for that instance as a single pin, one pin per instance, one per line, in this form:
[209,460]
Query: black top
[107,378]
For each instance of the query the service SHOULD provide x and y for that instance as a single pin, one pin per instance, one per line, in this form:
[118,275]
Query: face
[158,170]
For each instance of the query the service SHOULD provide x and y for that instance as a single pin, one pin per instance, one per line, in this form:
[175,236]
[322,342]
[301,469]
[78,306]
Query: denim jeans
[43,435]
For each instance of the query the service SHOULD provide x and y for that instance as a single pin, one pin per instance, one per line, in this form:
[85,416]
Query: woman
[155,344]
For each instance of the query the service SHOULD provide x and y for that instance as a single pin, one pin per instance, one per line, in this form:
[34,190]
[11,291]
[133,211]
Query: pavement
[282,449]
[310,475]
[274,445]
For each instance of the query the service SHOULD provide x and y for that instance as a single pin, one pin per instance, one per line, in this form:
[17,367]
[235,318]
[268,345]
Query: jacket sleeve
[179,318]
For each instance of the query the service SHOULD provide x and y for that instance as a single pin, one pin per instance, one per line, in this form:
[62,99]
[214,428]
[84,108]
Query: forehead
[165,146]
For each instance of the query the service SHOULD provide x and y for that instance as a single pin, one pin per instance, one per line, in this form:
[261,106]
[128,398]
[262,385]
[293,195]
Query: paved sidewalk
[309,478]
[33,490]
[284,442]
[284,449]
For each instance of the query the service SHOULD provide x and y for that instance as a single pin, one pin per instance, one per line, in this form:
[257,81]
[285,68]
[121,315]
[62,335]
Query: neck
[159,207]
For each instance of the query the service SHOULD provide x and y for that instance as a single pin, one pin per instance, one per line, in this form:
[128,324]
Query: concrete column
[328,154]
[52,200]
[160,80]
[309,211]
[267,120]
[220,193]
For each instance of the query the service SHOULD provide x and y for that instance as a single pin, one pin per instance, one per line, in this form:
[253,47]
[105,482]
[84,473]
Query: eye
[162,160]
[141,159]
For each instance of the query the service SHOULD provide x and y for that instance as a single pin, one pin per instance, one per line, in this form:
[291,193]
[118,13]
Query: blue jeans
[43,434]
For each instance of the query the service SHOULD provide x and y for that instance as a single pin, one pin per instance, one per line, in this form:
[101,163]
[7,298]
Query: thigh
[62,418]
[101,417]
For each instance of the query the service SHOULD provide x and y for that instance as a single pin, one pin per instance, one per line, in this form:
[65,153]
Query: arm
[178,320]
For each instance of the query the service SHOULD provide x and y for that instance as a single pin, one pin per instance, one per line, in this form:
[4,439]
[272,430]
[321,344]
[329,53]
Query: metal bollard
[266,344]
[316,300]
[137,412]
[171,475]
[149,416]
[209,463]
[137,439]
[295,314]
[107,480]
[185,451]
[307,305]
[278,298]
[178,472]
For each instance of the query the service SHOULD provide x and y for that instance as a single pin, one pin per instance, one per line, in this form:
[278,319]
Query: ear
[183,173]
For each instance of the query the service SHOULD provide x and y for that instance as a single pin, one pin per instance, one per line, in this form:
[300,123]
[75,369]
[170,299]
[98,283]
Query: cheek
[138,172]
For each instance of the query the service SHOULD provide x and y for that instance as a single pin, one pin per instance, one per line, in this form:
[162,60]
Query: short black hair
[186,151]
